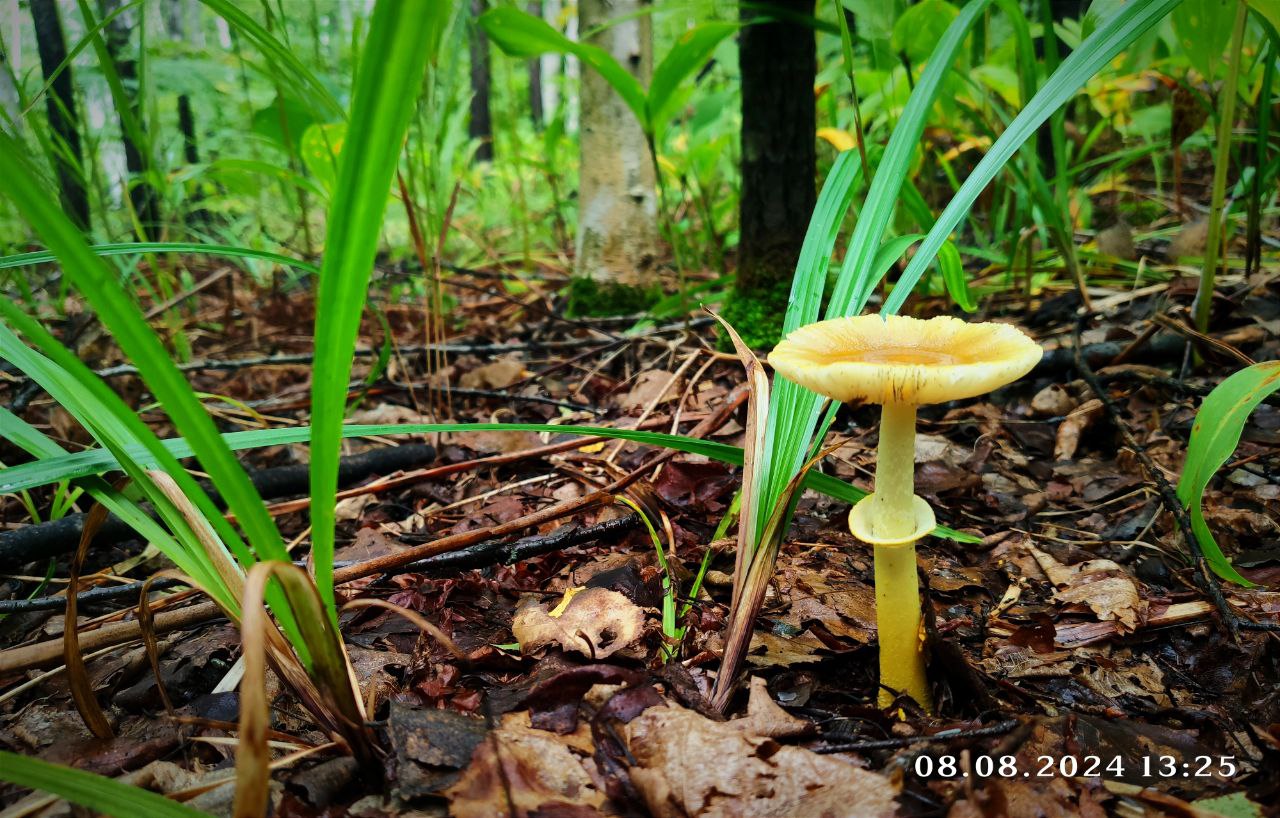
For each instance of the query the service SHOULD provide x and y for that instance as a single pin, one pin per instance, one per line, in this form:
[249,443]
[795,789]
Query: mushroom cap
[898,359]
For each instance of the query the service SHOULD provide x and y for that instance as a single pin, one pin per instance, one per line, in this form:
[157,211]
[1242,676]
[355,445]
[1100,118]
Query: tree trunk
[618,204]
[536,112]
[481,123]
[10,100]
[778,62]
[61,107]
[142,195]
[1059,10]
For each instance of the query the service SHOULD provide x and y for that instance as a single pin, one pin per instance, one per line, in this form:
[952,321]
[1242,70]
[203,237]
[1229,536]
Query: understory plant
[300,641]
[795,421]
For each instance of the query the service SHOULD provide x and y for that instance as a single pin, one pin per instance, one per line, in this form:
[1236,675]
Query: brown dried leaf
[1100,584]
[499,374]
[650,387]
[766,718]
[597,623]
[1074,425]
[751,777]
[521,771]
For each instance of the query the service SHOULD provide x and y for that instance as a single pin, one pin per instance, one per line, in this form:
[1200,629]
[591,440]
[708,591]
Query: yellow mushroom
[901,363]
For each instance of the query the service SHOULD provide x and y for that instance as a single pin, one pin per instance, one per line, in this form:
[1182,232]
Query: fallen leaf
[597,623]
[766,718]
[653,386]
[1108,590]
[498,374]
[522,772]
[751,777]
[1074,425]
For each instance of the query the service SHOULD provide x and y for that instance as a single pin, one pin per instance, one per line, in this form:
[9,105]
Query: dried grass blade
[77,675]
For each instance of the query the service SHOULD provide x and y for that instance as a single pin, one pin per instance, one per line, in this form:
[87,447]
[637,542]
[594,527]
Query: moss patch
[757,317]
[588,297]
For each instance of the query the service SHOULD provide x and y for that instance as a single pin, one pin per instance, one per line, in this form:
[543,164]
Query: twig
[22,545]
[477,556]
[1000,728]
[1208,581]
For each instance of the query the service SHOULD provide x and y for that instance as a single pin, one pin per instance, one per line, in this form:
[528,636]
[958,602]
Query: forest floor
[1079,666]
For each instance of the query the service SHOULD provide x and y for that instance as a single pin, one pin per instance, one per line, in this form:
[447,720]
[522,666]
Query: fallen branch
[56,537]
[481,555]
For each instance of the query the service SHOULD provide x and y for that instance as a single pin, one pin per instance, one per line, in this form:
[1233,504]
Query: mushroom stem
[897,585]
[898,625]
[895,471]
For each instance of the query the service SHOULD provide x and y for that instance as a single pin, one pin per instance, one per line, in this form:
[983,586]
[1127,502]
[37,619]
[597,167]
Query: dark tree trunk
[1059,10]
[481,125]
[61,107]
[142,195]
[187,127]
[535,76]
[778,61]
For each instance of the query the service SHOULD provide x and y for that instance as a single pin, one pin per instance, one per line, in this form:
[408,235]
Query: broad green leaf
[97,461]
[1203,28]
[284,121]
[953,277]
[403,38]
[690,52]
[1267,9]
[919,28]
[95,792]
[1214,437]
[522,35]
[321,145]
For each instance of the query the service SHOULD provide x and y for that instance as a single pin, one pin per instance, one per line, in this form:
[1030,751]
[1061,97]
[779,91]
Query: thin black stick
[482,555]
[1000,728]
[1208,581]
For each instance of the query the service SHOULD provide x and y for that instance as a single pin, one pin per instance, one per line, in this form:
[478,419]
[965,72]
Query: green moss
[588,297]
[756,317]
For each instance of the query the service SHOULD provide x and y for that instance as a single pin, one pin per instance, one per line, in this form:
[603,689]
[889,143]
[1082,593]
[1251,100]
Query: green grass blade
[185,248]
[121,316]
[97,461]
[96,792]
[402,36]
[1214,437]
[794,411]
[281,57]
[1132,20]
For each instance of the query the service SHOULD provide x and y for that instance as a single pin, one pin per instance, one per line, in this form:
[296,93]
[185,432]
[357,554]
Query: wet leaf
[752,777]
[597,623]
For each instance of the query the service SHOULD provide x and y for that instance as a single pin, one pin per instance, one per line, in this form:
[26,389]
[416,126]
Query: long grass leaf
[96,792]
[96,461]
[136,339]
[403,38]
[1098,49]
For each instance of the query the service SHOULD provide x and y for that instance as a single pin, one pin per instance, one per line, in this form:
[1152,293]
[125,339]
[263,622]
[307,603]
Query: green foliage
[404,38]
[96,792]
[522,35]
[1203,28]
[1214,437]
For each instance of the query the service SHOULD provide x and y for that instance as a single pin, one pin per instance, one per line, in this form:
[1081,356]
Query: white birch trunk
[618,205]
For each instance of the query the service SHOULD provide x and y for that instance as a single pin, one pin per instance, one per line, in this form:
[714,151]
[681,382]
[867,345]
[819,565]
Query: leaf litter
[1076,619]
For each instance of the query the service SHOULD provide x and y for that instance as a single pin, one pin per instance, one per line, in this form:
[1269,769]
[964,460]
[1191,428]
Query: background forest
[368,447]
